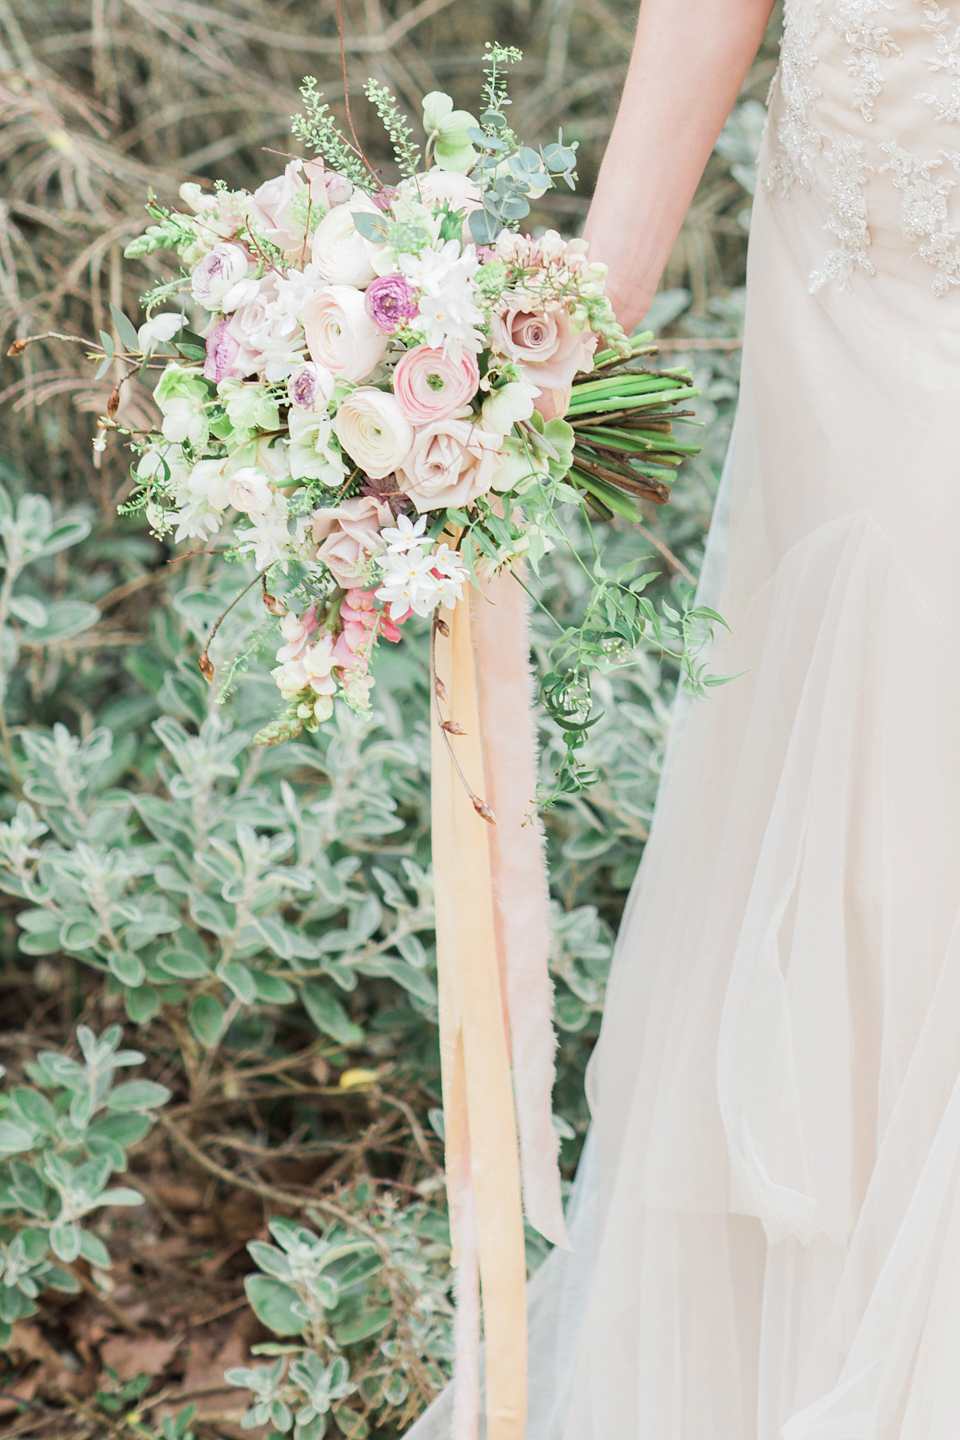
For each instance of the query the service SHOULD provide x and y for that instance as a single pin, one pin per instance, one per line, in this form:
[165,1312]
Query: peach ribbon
[496,1036]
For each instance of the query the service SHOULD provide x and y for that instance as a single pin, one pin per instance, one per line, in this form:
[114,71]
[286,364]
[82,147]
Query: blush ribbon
[496,1036]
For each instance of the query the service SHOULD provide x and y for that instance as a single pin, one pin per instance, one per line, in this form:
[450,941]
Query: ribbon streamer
[495,991]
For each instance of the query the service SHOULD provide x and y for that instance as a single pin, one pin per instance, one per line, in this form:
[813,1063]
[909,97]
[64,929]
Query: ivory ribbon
[494,993]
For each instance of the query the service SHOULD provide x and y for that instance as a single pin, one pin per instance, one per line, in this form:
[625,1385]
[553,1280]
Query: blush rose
[451,463]
[347,535]
[548,349]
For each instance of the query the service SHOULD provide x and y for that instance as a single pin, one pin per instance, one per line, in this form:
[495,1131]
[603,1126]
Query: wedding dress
[767,1221]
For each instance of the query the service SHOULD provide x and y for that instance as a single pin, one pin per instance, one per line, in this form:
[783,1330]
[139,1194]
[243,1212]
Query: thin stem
[206,668]
[346,95]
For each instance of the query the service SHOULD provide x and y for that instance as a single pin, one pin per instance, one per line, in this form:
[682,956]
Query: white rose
[224,267]
[341,254]
[505,407]
[248,489]
[374,431]
[340,334]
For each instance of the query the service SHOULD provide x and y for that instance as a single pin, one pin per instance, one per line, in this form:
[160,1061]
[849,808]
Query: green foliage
[511,175]
[178,898]
[373,1311]
[318,129]
[397,126]
[61,1140]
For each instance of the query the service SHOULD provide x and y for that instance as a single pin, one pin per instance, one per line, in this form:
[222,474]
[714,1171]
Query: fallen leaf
[131,1355]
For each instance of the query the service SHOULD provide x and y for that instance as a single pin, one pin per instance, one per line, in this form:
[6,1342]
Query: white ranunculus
[513,402]
[249,489]
[374,431]
[224,267]
[340,253]
[340,334]
[310,387]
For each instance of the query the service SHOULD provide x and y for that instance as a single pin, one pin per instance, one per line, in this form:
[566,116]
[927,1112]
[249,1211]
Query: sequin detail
[797,141]
[848,223]
[946,61]
[923,211]
[869,42]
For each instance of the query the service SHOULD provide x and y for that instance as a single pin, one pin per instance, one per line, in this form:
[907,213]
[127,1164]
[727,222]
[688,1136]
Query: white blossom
[419,581]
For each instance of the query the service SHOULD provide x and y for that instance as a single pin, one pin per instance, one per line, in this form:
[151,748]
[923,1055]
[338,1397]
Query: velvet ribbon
[496,1035]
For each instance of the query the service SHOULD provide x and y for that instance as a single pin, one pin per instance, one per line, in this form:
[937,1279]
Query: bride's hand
[689,60]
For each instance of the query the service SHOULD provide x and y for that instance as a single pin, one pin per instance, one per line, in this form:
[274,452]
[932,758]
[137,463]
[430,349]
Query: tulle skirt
[767,1218]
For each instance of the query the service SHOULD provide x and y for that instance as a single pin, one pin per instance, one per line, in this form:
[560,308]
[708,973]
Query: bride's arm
[689,61]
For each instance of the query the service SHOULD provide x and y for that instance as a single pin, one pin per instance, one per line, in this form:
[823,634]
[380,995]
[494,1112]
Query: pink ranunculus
[451,463]
[340,334]
[347,535]
[548,349]
[431,386]
[222,352]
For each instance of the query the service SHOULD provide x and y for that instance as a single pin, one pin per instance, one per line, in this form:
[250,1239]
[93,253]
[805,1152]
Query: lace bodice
[865,117]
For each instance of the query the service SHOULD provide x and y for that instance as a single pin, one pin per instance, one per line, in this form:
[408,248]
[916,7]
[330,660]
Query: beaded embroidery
[923,211]
[848,223]
[798,141]
[854,20]
[946,60]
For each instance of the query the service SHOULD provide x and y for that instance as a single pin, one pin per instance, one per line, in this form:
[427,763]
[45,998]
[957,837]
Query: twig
[446,728]
[346,95]
[668,554]
[86,1284]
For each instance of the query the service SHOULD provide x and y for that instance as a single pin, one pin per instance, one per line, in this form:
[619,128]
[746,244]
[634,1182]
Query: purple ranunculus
[222,351]
[390,300]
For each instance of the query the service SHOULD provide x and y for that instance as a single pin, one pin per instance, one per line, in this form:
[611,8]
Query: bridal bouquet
[389,391]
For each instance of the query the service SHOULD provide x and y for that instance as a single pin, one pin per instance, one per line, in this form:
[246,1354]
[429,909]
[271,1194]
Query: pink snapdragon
[296,630]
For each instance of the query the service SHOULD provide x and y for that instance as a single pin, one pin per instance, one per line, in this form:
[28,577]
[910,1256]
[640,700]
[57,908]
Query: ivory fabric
[767,1235]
